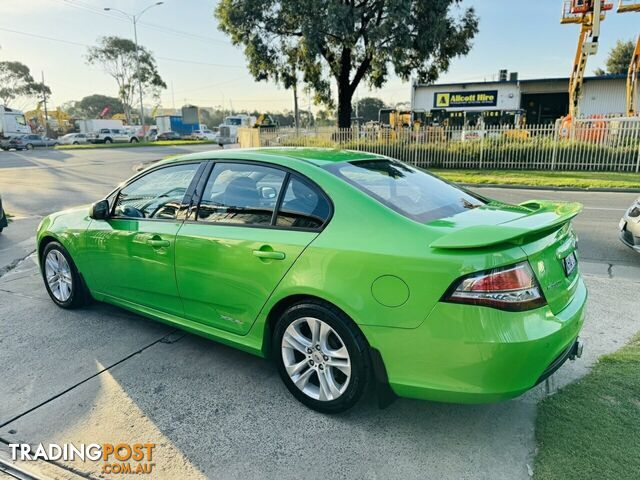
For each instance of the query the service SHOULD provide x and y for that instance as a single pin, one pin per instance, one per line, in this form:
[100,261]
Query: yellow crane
[588,14]
[634,67]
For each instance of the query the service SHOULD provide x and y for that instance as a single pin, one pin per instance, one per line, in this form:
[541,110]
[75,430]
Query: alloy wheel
[316,359]
[58,275]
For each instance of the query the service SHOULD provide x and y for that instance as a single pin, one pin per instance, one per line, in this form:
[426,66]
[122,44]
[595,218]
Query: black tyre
[61,278]
[322,356]
[107,140]
[76,143]
[134,140]
[29,146]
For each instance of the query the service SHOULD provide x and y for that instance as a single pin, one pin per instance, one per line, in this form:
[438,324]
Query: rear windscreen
[407,190]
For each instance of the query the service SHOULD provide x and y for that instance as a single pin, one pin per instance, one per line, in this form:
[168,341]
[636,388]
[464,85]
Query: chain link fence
[611,145]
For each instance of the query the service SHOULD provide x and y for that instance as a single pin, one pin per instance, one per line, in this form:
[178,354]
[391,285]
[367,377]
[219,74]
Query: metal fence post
[554,154]
[483,137]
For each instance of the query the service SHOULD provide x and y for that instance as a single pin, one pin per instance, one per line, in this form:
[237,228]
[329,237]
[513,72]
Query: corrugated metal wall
[604,97]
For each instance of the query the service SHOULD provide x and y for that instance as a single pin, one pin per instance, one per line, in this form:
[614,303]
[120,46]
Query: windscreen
[407,190]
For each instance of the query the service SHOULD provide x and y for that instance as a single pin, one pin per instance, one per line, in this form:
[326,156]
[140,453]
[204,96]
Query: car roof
[315,156]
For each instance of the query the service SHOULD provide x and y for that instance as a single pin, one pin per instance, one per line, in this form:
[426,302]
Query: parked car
[112,135]
[168,136]
[630,226]
[73,139]
[3,218]
[204,135]
[29,142]
[4,141]
[343,267]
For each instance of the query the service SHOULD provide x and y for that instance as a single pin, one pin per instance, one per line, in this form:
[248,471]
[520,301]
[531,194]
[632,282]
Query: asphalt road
[103,375]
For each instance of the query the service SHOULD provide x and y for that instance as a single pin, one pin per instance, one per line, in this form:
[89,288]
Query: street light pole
[135,36]
[134,19]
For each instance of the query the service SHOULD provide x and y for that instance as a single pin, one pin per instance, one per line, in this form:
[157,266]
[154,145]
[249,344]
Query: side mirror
[99,210]
[268,193]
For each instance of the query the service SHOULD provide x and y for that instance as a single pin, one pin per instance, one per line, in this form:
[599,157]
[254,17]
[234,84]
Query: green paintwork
[386,272]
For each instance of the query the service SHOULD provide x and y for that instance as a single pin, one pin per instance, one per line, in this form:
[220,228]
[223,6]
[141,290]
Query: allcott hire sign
[484,98]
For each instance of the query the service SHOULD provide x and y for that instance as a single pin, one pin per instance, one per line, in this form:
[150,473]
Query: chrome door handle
[158,243]
[271,255]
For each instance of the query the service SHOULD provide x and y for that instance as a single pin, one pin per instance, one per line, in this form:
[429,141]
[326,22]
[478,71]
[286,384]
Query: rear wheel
[107,140]
[134,140]
[29,146]
[321,356]
[76,143]
[61,277]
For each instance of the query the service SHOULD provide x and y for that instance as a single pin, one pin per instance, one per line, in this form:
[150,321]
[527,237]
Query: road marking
[604,208]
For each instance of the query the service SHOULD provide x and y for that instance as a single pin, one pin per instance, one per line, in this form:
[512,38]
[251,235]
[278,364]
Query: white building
[542,100]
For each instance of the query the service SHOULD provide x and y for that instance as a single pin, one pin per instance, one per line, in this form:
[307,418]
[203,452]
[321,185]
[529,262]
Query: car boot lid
[496,223]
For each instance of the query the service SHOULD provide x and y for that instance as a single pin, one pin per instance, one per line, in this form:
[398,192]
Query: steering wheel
[166,194]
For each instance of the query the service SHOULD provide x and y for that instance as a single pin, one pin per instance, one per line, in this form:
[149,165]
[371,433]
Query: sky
[202,67]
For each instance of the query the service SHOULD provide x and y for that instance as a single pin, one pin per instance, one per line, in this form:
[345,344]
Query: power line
[70,42]
[91,9]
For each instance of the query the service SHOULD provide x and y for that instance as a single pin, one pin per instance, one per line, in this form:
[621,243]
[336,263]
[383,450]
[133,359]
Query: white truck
[93,125]
[13,123]
[228,131]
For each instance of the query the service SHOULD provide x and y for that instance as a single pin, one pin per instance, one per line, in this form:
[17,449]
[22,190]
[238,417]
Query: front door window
[157,195]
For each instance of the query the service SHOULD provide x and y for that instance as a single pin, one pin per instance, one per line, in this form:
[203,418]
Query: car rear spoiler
[543,216]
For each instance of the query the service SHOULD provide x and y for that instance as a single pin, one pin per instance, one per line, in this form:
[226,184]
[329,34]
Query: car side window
[241,194]
[303,206]
[157,195]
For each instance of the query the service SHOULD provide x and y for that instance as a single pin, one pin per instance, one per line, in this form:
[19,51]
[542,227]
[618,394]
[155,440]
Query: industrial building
[539,101]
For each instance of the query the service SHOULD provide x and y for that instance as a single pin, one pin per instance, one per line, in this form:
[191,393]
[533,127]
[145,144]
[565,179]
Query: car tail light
[513,288]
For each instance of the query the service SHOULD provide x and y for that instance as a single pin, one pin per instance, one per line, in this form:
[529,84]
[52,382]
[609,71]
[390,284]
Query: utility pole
[46,112]
[296,109]
[134,19]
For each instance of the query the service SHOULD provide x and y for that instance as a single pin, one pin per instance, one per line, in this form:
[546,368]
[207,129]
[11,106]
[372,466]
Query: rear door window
[241,194]
[409,191]
[303,206]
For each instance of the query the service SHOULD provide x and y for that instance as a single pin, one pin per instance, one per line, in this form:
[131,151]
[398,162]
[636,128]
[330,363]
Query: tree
[94,105]
[619,58]
[118,58]
[348,40]
[16,81]
[368,108]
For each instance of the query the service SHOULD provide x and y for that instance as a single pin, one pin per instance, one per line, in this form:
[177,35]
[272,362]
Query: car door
[132,252]
[234,249]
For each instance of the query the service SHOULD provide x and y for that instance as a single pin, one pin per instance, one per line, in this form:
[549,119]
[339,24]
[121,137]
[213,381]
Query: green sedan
[346,268]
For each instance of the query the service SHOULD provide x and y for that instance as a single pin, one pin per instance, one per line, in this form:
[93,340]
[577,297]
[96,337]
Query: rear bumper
[467,354]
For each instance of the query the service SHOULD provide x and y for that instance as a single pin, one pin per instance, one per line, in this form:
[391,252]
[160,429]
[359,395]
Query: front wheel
[133,140]
[61,277]
[29,146]
[321,356]
[107,140]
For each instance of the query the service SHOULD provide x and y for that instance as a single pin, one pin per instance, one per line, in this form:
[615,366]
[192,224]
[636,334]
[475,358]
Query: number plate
[570,262]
